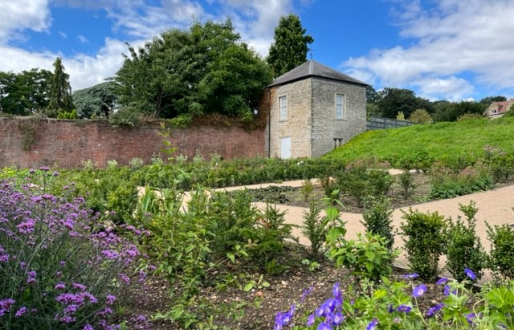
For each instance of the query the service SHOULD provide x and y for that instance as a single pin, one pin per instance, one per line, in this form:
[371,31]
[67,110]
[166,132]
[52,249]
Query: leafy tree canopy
[372,96]
[451,111]
[290,45]
[96,101]
[24,93]
[205,69]
[488,100]
[394,100]
[60,91]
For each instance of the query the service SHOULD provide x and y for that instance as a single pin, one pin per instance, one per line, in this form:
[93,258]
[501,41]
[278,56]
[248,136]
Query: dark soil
[256,309]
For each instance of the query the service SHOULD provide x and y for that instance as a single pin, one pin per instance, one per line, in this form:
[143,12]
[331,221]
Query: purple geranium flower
[419,290]
[432,310]
[410,276]
[404,308]
[324,326]
[470,274]
[372,325]
[311,319]
[442,281]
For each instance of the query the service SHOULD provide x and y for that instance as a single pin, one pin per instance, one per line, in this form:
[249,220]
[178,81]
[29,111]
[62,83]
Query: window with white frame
[282,102]
[339,106]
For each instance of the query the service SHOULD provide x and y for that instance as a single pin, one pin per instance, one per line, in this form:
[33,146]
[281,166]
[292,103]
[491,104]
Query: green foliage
[499,163]
[24,93]
[460,139]
[406,180]
[290,45]
[400,116]
[315,227]
[366,258]
[307,189]
[359,182]
[68,114]
[471,116]
[447,183]
[127,116]
[205,69]
[420,116]
[451,111]
[60,91]
[424,242]
[502,250]
[464,249]
[395,100]
[96,101]
[377,219]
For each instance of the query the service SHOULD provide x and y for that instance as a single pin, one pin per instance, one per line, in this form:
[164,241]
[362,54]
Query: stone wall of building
[327,131]
[24,143]
[298,123]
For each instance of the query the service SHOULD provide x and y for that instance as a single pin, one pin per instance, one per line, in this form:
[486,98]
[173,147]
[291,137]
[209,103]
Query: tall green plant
[377,219]
[501,259]
[315,227]
[424,241]
[464,249]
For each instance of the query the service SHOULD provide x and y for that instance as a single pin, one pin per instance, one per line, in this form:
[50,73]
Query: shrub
[499,163]
[307,189]
[377,219]
[424,241]
[420,116]
[315,227]
[359,182]
[448,184]
[406,180]
[59,269]
[464,249]
[366,258]
[501,259]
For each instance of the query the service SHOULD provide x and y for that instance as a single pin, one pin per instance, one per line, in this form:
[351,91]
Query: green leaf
[248,287]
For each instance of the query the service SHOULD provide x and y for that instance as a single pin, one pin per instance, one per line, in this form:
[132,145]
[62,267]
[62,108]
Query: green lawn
[444,141]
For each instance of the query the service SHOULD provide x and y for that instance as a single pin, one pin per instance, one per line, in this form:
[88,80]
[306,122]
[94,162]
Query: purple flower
[311,319]
[306,292]
[88,327]
[110,299]
[141,318]
[372,325]
[55,173]
[470,317]
[79,286]
[432,310]
[470,274]
[324,326]
[448,291]
[337,318]
[31,277]
[60,286]
[44,168]
[110,254]
[4,257]
[284,318]
[404,308]
[410,276]
[26,227]
[21,311]
[419,290]
[442,281]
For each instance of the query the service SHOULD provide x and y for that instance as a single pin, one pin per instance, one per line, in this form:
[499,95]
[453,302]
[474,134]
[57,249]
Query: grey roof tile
[313,69]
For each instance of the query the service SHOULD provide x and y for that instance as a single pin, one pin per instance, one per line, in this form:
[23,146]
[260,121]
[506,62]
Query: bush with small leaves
[377,219]
[501,259]
[424,241]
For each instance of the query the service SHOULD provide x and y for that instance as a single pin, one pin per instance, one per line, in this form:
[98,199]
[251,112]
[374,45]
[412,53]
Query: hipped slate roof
[313,69]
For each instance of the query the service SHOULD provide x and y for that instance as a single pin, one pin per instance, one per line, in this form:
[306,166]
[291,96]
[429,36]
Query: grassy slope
[442,141]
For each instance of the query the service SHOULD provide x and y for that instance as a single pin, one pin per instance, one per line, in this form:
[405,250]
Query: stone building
[312,110]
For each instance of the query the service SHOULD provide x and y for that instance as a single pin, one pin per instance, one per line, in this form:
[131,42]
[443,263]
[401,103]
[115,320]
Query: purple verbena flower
[110,299]
[60,286]
[22,310]
[31,277]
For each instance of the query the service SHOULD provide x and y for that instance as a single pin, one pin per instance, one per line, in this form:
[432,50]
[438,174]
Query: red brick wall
[68,143]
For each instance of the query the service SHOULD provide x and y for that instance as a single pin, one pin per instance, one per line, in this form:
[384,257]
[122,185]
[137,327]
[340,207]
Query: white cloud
[452,88]
[63,35]
[82,39]
[16,16]
[449,39]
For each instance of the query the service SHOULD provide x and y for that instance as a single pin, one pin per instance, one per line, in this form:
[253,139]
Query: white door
[285,148]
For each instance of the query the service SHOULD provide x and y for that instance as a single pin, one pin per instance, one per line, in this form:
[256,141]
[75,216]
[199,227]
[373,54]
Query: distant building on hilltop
[312,110]
[498,109]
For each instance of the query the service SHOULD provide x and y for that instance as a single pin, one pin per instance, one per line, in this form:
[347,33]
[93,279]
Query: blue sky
[441,49]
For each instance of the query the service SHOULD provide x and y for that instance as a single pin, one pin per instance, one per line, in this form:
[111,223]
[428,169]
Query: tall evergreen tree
[60,91]
[290,46]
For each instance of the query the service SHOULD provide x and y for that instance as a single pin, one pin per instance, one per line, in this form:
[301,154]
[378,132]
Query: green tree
[420,116]
[60,91]
[488,100]
[96,101]
[451,111]
[24,93]
[290,46]
[394,100]
[205,69]
[372,96]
